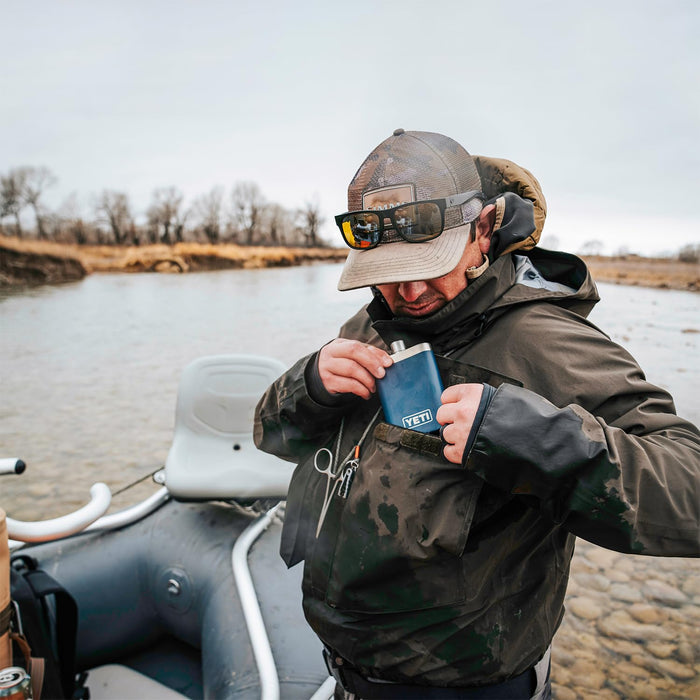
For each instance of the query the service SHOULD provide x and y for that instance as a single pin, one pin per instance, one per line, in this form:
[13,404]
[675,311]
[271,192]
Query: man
[436,566]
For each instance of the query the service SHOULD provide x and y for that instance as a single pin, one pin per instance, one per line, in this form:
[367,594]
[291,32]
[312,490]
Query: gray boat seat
[212,455]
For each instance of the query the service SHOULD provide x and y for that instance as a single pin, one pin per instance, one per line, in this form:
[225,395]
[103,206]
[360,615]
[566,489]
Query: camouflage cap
[411,166]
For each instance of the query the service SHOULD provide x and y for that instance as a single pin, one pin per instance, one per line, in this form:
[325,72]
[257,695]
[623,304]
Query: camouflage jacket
[433,573]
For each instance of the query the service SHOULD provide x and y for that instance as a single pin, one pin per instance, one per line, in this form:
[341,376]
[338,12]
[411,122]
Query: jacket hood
[513,278]
[521,208]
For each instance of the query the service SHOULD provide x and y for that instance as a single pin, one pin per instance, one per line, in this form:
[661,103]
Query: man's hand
[350,367]
[460,403]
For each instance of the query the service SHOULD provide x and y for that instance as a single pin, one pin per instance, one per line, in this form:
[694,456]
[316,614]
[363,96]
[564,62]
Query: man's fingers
[340,373]
[452,454]
[374,360]
[348,366]
[457,392]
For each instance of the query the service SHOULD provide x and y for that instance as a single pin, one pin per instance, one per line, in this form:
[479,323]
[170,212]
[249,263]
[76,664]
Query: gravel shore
[631,630]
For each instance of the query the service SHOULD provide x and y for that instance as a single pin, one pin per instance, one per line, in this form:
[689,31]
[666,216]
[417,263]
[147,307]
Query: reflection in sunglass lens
[361,230]
[419,222]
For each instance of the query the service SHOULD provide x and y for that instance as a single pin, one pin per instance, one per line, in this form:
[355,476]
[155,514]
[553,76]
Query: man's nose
[410,291]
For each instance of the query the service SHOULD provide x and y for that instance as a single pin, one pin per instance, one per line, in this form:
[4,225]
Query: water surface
[90,369]
[89,379]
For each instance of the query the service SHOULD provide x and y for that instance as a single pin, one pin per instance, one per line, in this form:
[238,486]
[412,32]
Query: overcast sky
[600,100]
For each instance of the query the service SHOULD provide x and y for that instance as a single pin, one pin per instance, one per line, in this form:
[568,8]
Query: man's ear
[484,227]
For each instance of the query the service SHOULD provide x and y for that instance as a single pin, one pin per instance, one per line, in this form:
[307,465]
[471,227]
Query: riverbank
[31,262]
[659,273]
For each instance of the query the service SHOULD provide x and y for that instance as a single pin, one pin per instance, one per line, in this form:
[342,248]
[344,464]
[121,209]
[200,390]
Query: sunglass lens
[419,222]
[361,230]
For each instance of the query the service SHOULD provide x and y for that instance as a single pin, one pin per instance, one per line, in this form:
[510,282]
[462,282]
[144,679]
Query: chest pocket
[403,528]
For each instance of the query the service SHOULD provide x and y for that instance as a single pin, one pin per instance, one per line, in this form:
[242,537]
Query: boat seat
[212,456]
[116,682]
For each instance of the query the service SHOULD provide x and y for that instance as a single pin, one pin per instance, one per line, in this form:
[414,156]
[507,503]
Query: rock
[664,593]
[691,586]
[581,565]
[588,675]
[621,646]
[686,653]
[627,593]
[621,625]
[593,582]
[637,689]
[625,564]
[603,558]
[585,608]
[617,576]
[627,670]
[668,667]
[688,613]
[645,613]
[562,693]
[661,650]
[561,657]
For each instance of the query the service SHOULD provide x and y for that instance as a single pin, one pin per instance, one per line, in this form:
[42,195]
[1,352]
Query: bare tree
[166,220]
[12,199]
[592,247]
[278,224]
[689,253]
[67,223]
[206,212]
[311,221]
[35,183]
[247,204]
[114,209]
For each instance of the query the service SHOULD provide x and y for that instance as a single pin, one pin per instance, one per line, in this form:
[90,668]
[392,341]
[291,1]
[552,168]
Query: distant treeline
[243,216]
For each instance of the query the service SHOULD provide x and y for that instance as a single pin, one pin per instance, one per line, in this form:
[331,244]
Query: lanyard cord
[351,454]
[354,452]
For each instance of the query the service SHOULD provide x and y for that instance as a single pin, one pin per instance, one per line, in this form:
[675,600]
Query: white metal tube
[132,513]
[54,529]
[269,680]
[326,691]
[11,465]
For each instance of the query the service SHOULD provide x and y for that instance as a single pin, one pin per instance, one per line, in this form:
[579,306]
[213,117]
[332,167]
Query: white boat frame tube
[132,513]
[56,528]
[326,691]
[11,465]
[269,680]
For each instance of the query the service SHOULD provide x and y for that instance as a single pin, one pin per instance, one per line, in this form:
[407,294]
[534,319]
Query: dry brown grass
[662,273]
[181,257]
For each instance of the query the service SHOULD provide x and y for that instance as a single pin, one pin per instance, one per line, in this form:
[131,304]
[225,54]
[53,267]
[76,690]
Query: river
[89,379]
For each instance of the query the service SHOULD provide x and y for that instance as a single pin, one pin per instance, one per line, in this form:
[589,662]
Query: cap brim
[404,262]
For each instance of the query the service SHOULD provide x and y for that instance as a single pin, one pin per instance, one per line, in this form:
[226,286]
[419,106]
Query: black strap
[32,586]
[66,623]
[521,686]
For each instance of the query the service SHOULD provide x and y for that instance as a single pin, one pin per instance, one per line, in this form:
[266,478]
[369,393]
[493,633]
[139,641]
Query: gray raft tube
[156,592]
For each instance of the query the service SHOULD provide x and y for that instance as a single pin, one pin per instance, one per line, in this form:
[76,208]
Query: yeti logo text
[416,419]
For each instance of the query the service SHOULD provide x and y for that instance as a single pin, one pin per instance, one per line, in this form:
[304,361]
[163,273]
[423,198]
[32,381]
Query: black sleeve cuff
[486,398]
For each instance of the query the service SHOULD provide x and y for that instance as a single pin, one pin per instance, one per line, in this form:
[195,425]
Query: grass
[661,273]
[181,257]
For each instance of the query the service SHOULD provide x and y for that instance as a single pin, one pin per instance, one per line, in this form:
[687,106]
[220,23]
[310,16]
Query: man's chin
[420,310]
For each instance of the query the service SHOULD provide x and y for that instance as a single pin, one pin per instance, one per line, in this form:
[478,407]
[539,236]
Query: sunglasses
[414,222]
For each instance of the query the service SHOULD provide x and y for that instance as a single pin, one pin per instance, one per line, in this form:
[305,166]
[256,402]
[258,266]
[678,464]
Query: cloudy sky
[600,100]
